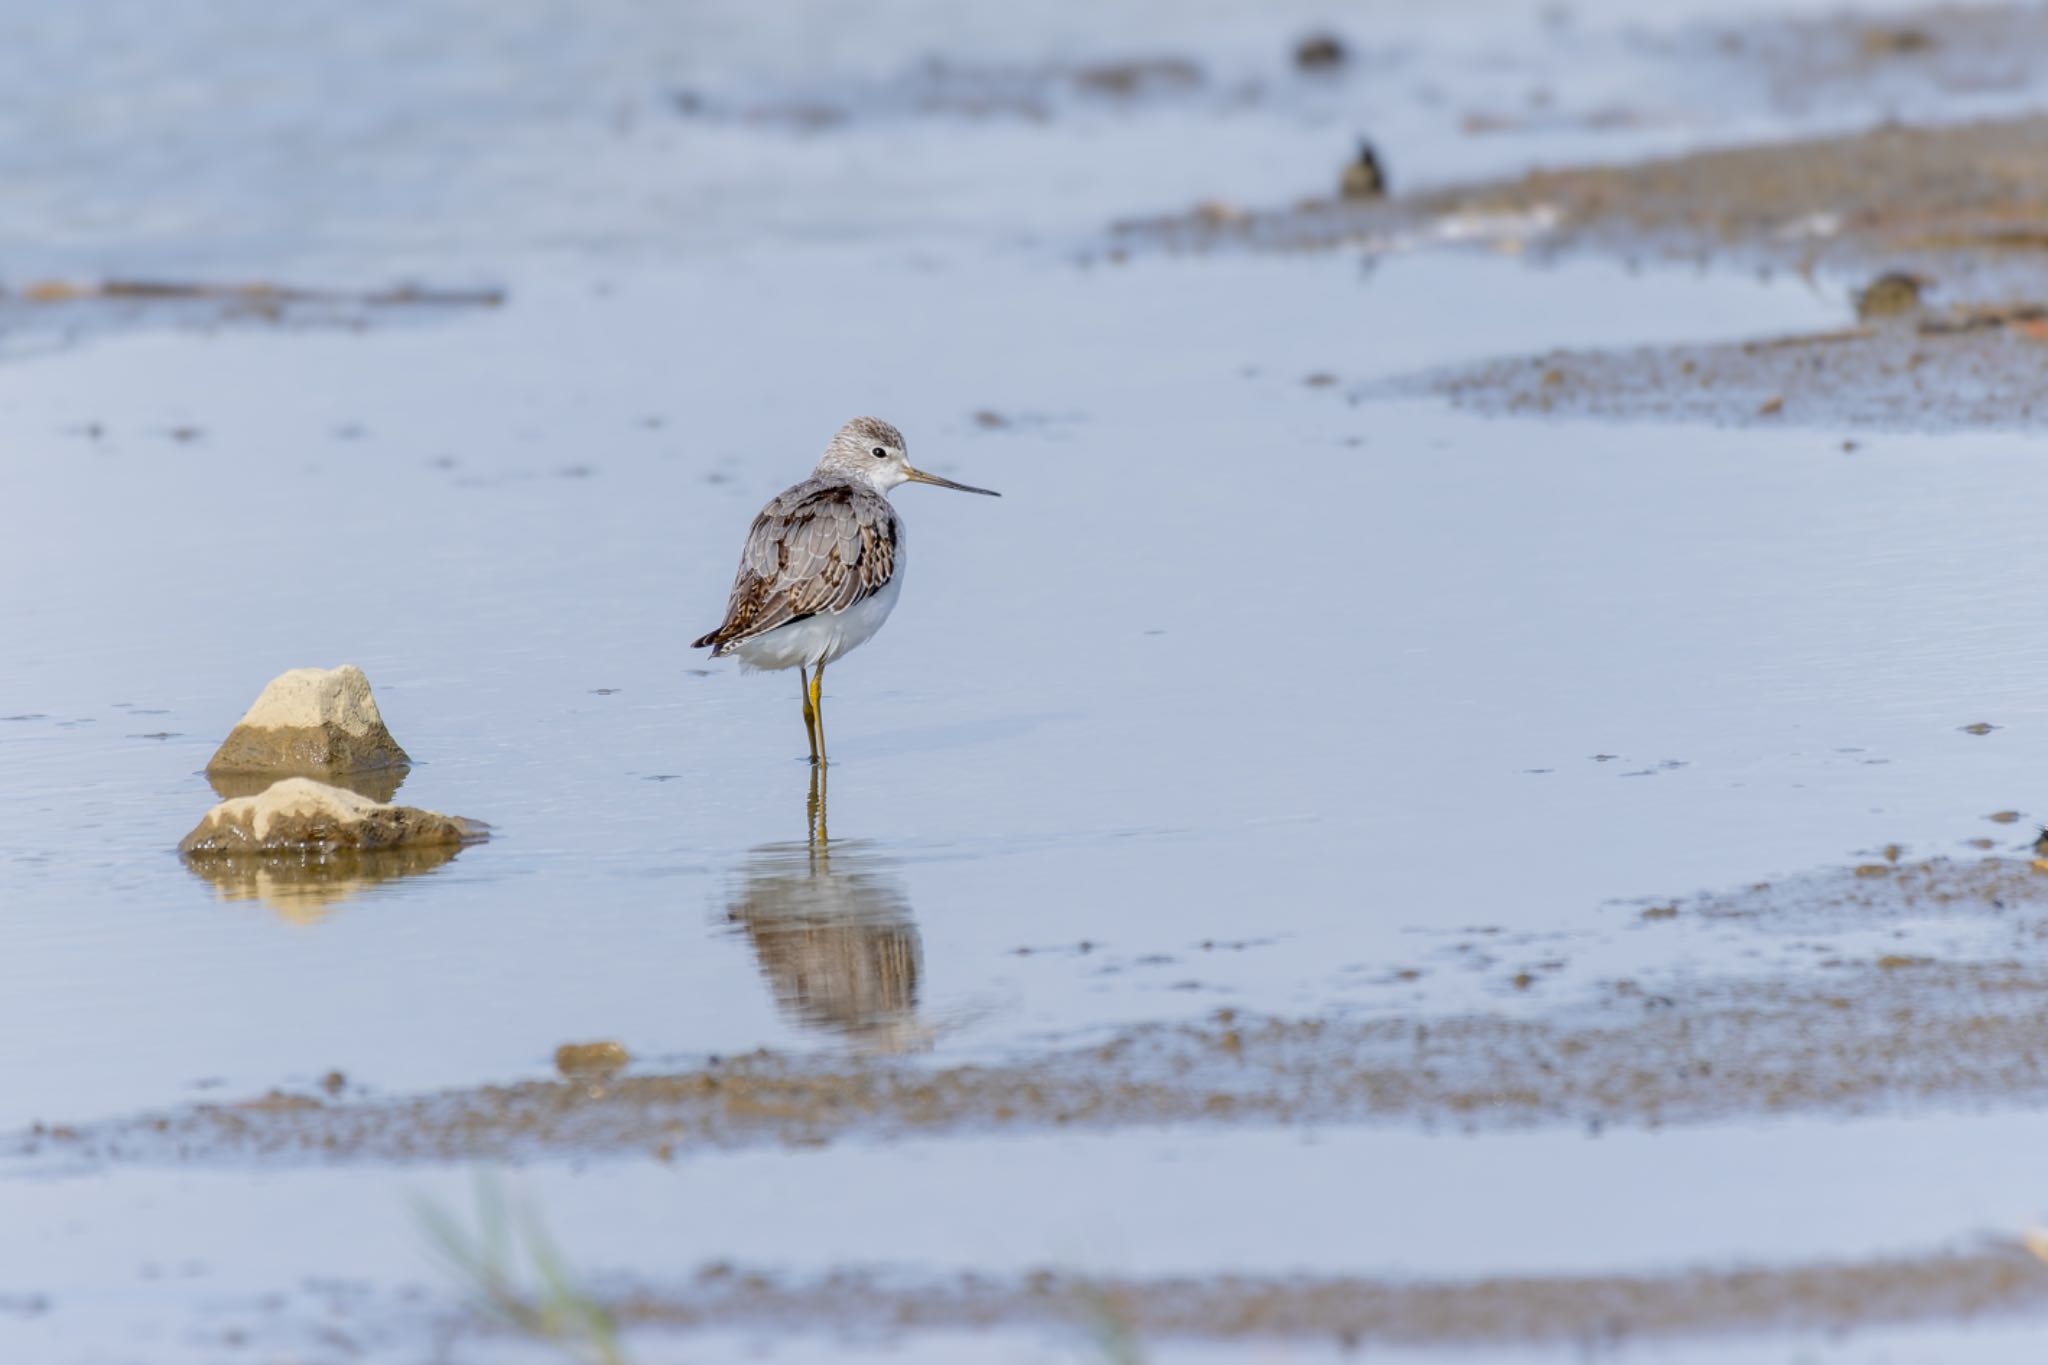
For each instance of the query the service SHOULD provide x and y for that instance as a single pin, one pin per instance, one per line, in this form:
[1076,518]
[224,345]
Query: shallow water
[1398,1205]
[1392,673]
[1247,694]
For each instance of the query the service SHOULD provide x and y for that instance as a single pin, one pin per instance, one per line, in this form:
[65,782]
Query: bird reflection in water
[833,932]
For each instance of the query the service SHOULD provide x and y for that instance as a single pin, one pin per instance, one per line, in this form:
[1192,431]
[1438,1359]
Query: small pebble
[591,1059]
[1889,295]
[1321,52]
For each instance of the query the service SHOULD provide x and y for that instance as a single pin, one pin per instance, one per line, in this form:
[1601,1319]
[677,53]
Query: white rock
[311,720]
[299,815]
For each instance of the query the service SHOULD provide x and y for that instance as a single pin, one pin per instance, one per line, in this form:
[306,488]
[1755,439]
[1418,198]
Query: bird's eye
[880,453]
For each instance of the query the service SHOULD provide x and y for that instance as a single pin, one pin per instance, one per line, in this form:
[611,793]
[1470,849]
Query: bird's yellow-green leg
[818,710]
[810,714]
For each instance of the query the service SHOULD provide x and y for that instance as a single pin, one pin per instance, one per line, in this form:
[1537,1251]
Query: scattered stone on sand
[1323,51]
[1889,295]
[311,721]
[1364,178]
[592,1059]
[299,815]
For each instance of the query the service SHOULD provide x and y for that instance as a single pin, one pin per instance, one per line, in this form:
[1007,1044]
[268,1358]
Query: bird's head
[870,451]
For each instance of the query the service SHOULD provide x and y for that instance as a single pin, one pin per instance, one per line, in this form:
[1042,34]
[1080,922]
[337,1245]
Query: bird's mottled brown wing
[820,547]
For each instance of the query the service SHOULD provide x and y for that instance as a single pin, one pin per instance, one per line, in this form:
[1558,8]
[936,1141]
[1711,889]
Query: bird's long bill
[919,476]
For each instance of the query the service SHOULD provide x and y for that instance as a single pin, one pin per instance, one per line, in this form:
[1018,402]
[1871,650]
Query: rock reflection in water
[378,784]
[834,935]
[305,888]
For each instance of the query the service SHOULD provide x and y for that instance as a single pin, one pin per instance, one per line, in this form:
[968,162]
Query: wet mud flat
[1967,198]
[1809,63]
[1961,369]
[1865,1032]
[1949,217]
[1945,221]
[943,88]
[39,314]
[1989,1281]
[856,1309]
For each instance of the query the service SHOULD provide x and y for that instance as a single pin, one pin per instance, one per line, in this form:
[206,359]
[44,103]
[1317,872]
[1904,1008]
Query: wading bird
[823,565]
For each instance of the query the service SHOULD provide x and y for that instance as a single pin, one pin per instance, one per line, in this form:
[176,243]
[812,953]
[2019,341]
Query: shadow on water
[833,932]
[304,887]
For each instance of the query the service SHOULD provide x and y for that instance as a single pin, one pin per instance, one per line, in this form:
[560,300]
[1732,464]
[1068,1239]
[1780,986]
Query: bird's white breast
[826,636]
